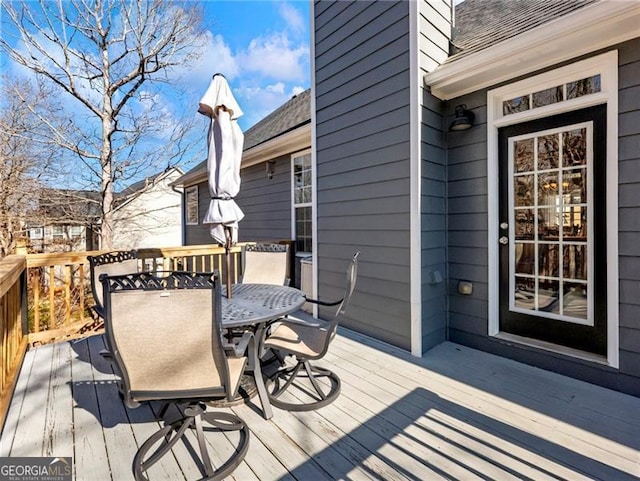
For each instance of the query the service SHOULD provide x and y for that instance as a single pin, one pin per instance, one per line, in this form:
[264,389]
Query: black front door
[553,229]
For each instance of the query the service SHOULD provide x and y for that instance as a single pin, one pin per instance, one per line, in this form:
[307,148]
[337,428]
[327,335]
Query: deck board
[456,413]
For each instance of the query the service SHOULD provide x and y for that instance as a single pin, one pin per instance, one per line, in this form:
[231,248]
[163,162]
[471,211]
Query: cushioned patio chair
[265,263]
[307,341]
[166,336]
[113,264]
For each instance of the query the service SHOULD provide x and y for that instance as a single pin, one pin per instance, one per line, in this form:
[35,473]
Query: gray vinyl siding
[363,171]
[467,237]
[198,234]
[467,219]
[433,224]
[266,204]
[629,205]
[434,32]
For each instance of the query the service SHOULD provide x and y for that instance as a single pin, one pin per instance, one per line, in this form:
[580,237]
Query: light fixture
[271,168]
[464,119]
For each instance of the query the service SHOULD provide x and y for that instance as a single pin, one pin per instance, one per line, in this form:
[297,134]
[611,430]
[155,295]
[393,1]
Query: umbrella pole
[227,251]
[228,256]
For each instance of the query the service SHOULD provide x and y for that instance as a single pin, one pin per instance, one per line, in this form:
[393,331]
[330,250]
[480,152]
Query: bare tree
[111,62]
[25,157]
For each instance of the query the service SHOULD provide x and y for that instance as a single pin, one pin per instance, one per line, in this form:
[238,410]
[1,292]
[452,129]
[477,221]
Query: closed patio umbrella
[225,142]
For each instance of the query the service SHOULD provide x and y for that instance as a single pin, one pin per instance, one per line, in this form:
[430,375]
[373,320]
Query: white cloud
[216,57]
[274,57]
[292,17]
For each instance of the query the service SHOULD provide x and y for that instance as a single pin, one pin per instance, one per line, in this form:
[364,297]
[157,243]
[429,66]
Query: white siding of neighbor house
[152,219]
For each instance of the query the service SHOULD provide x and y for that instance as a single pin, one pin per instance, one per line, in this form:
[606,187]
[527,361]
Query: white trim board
[586,30]
[607,66]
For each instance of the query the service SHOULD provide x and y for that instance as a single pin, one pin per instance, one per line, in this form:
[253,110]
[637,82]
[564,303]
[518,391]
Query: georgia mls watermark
[36,469]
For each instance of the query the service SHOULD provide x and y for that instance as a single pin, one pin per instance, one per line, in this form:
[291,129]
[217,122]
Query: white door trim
[607,66]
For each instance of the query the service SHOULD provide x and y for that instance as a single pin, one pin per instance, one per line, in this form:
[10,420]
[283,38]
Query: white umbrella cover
[225,142]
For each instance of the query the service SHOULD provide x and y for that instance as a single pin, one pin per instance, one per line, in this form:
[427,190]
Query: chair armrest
[299,322]
[238,348]
[324,303]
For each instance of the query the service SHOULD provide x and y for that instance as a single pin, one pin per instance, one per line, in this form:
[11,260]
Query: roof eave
[587,30]
[292,141]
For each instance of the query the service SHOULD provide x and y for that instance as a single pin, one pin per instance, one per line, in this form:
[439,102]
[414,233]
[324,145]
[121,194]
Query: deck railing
[44,297]
[12,325]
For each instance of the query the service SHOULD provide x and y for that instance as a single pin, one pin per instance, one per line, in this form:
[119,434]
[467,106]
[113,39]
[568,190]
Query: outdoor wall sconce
[271,168]
[464,119]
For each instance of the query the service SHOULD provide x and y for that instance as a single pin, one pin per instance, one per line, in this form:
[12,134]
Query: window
[36,233]
[191,196]
[57,232]
[303,202]
[558,93]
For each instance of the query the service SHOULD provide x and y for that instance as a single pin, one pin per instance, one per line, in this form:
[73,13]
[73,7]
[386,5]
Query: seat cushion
[305,341]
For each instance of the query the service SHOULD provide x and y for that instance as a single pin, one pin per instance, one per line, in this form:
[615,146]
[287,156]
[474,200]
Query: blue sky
[262,47]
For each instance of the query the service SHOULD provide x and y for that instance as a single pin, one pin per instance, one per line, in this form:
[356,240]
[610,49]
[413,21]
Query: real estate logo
[36,469]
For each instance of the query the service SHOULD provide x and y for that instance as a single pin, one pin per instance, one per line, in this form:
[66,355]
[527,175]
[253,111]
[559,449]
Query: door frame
[605,65]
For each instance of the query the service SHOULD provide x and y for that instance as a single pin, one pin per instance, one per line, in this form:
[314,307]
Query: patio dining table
[251,306]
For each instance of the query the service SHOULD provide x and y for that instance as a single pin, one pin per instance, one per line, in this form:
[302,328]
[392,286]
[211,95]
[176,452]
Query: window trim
[311,204]
[193,190]
[607,66]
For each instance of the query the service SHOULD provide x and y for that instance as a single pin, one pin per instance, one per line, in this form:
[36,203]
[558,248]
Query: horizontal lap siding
[266,204]
[629,205]
[362,133]
[434,32]
[467,219]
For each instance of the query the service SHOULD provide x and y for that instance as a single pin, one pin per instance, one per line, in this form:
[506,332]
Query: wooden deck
[455,414]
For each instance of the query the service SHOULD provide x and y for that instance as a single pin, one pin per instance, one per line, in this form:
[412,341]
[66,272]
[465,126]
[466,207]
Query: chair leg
[170,434]
[286,379]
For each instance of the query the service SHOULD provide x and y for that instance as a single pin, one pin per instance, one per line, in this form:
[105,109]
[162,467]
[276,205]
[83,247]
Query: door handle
[504,240]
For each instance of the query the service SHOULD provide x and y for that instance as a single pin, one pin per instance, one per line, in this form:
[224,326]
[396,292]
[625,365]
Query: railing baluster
[80,288]
[67,295]
[36,300]
[52,292]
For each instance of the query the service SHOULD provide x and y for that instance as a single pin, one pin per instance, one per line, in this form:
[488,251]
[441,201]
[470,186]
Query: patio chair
[166,335]
[112,264]
[307,341]
[265,263]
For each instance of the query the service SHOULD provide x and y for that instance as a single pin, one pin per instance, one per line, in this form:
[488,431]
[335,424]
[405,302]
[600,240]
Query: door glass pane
[548,188]
[574,148]
[548,152]
[549,222]
[547,97]
[524,155]
[525,224]
[523,185]
[525,257]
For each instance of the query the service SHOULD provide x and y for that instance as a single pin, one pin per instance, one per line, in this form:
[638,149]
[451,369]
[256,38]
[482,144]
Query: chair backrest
[332,325]
[165,333]
[352,275]
[113,264]
[265,263]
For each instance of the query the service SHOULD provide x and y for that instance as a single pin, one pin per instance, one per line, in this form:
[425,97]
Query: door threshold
[555,348]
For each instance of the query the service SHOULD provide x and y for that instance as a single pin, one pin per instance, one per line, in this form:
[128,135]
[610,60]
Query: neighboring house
[275,194]
[518,236]
[148,213]
[64,221]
